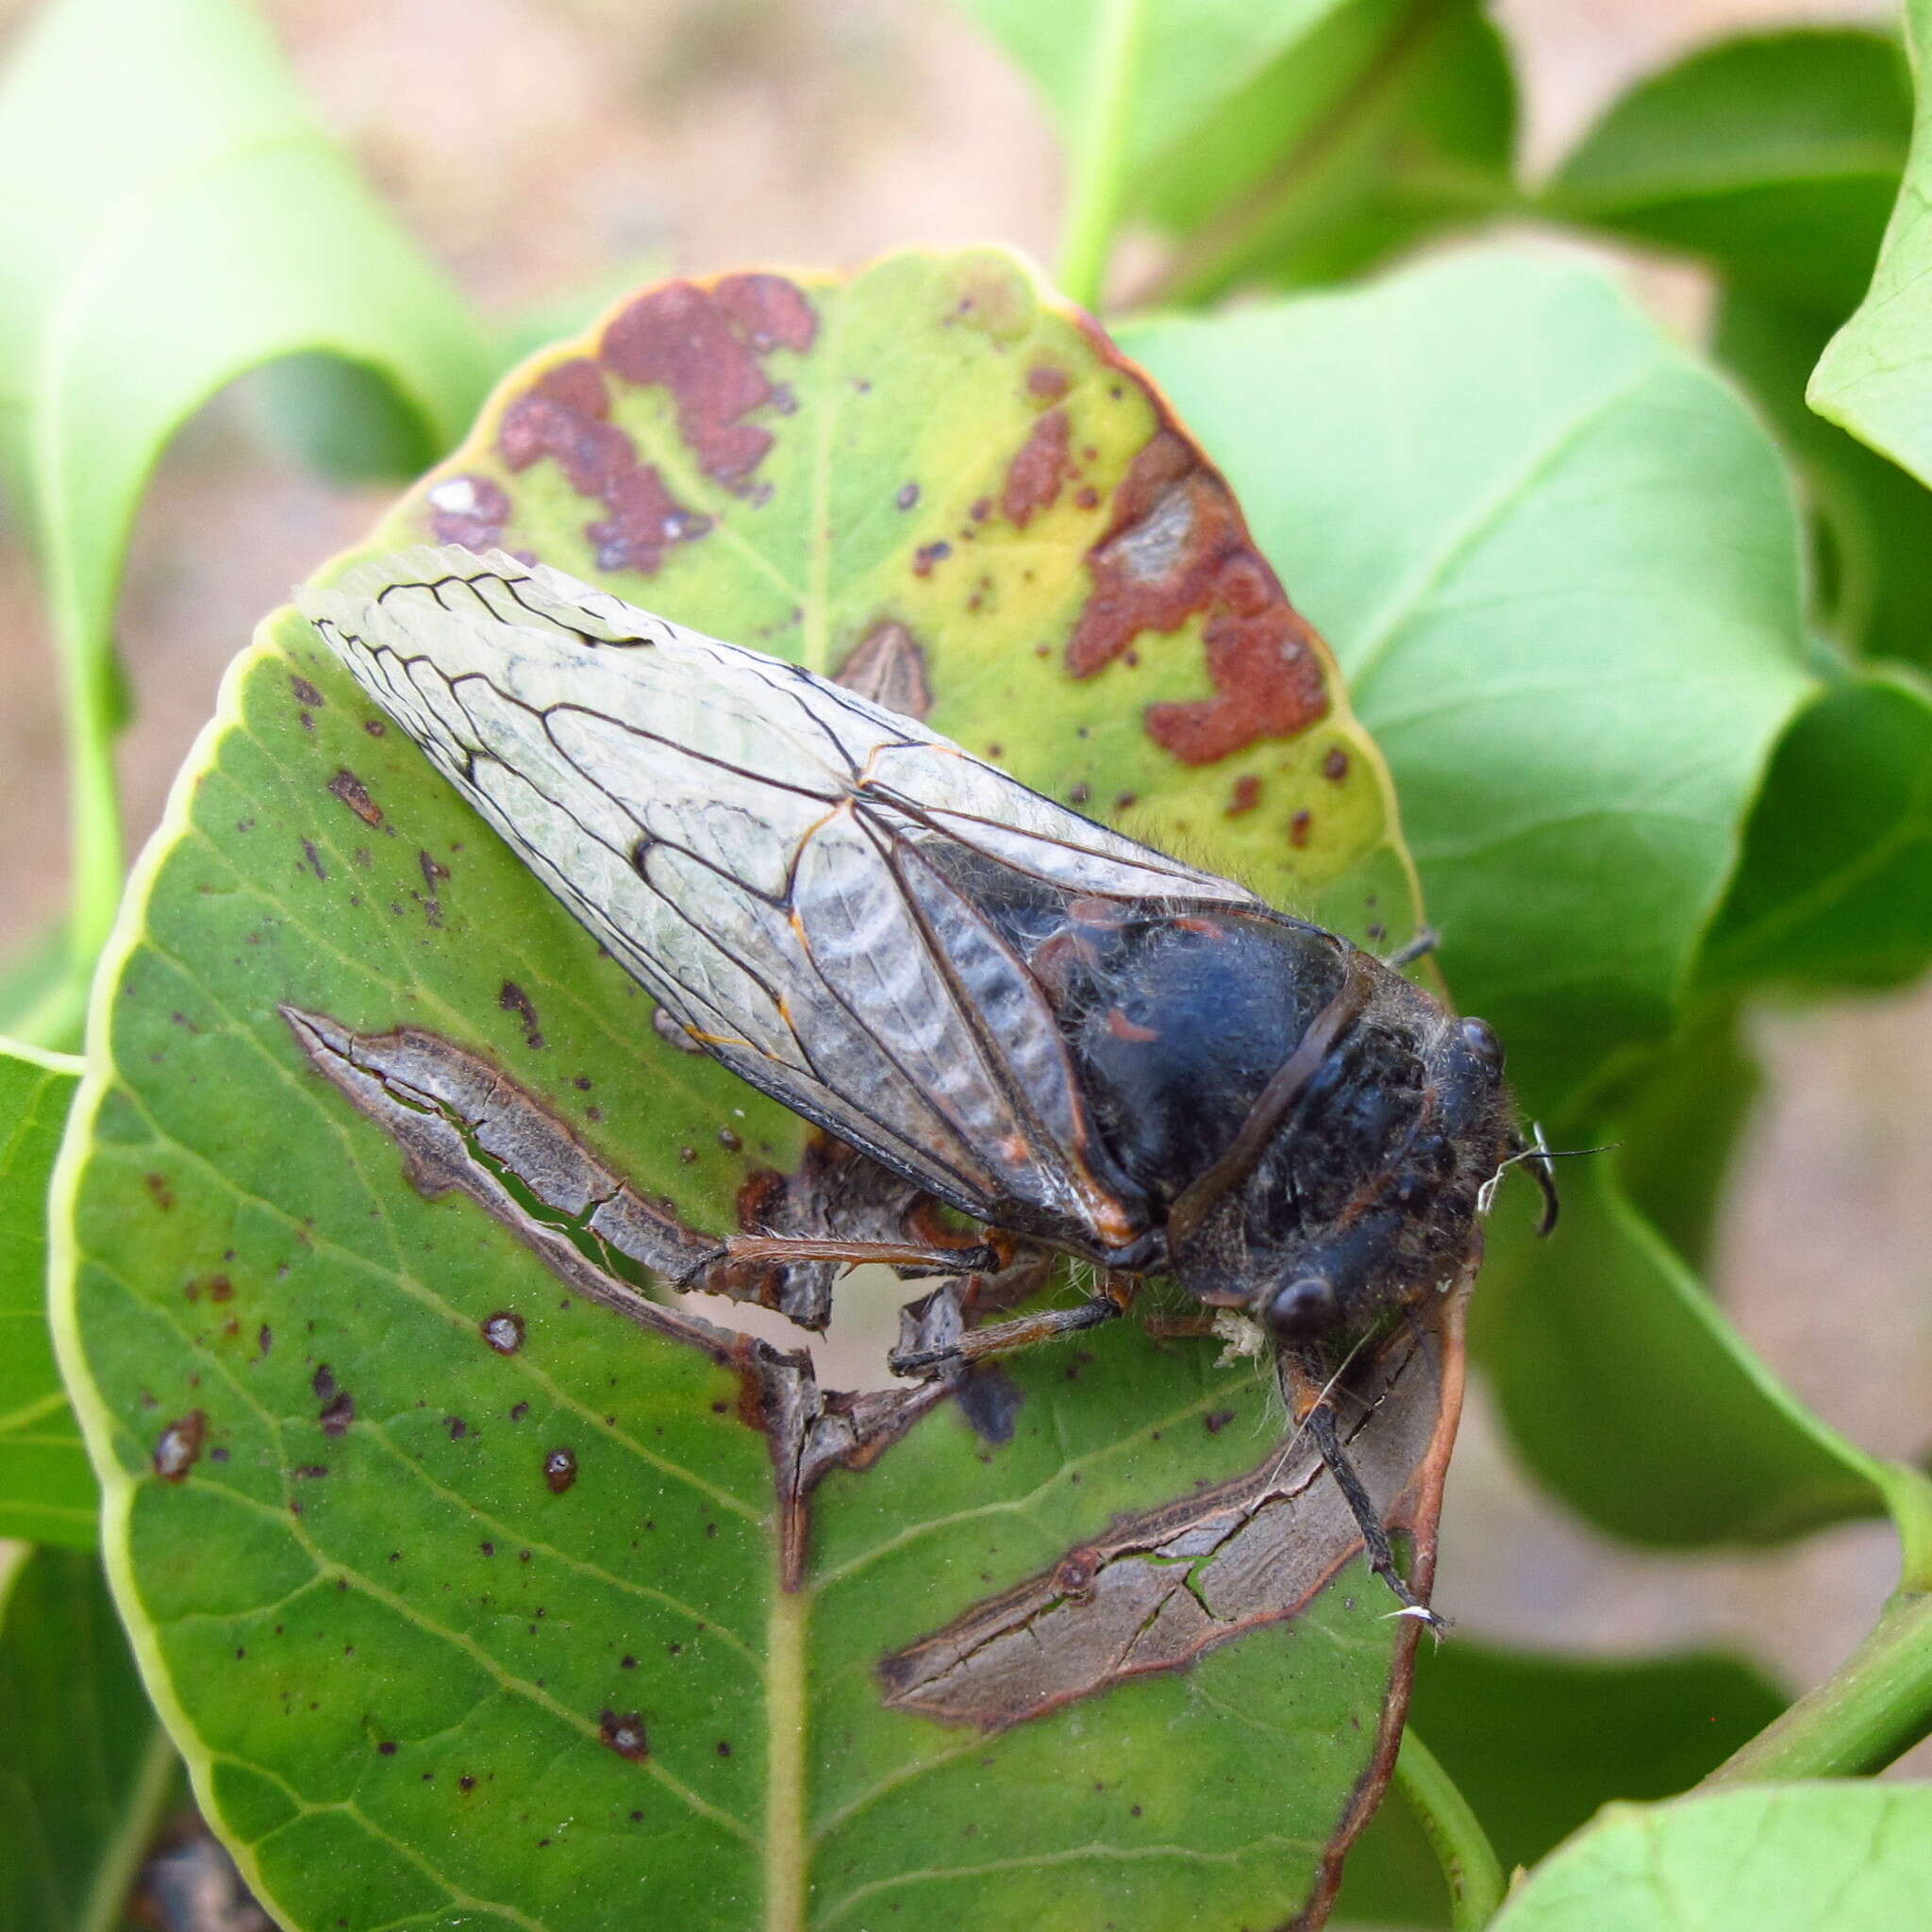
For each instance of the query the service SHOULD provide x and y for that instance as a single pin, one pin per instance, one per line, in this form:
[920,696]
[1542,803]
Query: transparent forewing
[750,842]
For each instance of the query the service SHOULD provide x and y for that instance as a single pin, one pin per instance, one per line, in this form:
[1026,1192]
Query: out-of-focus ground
[533,144]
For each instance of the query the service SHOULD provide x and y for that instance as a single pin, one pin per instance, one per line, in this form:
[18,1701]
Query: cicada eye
[1480,1039]
[1302,1310]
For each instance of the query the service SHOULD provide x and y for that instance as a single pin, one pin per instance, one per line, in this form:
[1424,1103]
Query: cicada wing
[753,843]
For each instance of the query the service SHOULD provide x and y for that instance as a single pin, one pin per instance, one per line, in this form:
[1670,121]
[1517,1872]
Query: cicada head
[1345,1178]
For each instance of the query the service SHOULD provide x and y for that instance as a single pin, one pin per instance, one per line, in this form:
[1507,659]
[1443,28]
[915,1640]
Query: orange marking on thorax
[1123,1029]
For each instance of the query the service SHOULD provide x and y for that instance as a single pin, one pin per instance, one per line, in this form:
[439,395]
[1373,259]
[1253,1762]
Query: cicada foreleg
[1109,1301]
[1309,1399]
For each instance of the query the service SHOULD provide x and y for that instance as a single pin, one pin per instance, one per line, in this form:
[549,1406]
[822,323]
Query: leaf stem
[1098,183]
[1873,1708]
[99,860]
[1470,1866]
[787,1879]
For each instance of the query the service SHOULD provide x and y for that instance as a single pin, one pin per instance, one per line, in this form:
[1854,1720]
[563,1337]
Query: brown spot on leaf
[1176,548]
[504,1331]
[1247,795]
[927,555]
[1298,828]
[907,496]
[704,346]
[159,1190]
[335,1419]
[625,1735]
[471,511]
[513,999]
[179,1446]
[1046,382]
[355,794]
[886,667]
[1335,766]
[306,693]
[1034,476]
[559,1470]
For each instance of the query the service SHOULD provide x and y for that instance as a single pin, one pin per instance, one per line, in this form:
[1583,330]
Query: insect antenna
[1537,1157]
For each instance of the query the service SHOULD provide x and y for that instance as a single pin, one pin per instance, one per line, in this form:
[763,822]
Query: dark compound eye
[1480,1039]
[1301,1310]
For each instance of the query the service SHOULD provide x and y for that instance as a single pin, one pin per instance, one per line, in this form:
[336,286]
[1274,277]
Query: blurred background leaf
[1875,377]
[1835,886]
[1629,1396]
[1292,142]
[87,1770]
[1782,1857]
[1537,1744]
[175,218]
[48,1489]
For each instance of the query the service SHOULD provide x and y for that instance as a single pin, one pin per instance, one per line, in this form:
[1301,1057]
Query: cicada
[1083,1045]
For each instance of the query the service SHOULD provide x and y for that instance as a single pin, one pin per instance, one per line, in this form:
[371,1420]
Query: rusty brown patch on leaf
[472,510]
[1176,548]
[1034,476]
[886,667]
[1158,1590]
[565,416]
[705,346]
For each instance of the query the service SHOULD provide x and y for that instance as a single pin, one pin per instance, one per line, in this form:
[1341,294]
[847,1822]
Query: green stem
[99,858]
[1099,160]
[1872,1710]
[1470,1866]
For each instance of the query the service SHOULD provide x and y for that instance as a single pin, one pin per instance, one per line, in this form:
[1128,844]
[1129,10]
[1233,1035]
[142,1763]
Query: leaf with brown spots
[579,1553]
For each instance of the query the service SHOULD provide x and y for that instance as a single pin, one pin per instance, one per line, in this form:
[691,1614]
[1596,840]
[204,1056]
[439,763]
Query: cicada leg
[975,1258]
[1111,1301]
[1308,1402]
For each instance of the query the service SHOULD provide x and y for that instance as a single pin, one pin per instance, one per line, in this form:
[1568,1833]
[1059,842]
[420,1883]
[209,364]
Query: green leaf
[1788,1858]
[1628,1394]
[1871,522]
[1294,141]
[175,218]
[1835,887]
[87,1769]
[1774,157]
[454,1615]
[1537,1744]
[1678,1120]
[46,1489]
[1875,377]
[39,1002]
[1559,564]
[1421,138]
[342,420]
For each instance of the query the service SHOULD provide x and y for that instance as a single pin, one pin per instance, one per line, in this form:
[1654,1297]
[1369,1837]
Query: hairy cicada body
[1083,1044]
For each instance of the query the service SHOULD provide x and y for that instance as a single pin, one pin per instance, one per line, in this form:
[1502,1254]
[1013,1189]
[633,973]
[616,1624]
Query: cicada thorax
[1302,1130]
